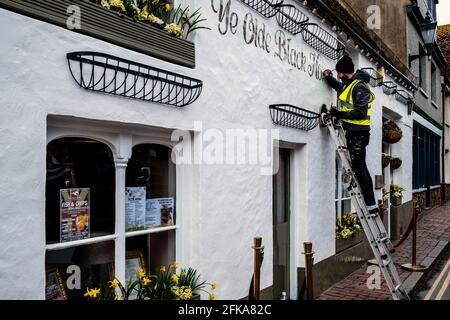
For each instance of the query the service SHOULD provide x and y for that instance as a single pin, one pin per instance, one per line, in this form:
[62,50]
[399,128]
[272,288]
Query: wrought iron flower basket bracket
[293,117]
[321,40]
[267,8]
[290,18]
[389,87]
[403,96]
[113,75]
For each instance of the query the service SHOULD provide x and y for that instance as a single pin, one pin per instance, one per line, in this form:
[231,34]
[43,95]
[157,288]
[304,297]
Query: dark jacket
[361,98]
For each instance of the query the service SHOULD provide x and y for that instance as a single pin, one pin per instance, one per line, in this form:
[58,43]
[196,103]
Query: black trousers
[357,142]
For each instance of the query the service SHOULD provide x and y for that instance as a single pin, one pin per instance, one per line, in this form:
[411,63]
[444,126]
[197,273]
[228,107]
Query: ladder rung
[371,215]
[385,239]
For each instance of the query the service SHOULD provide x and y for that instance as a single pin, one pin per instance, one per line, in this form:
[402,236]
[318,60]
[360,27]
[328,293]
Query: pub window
[80,205]
[150,215]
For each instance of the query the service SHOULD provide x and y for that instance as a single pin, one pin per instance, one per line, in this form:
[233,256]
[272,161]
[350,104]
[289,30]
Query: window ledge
[121,31]
[422,91]
[434,104]
[70,244]
[149,231]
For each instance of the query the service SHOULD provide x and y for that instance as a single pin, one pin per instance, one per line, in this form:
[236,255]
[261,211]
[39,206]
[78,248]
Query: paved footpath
[433,235]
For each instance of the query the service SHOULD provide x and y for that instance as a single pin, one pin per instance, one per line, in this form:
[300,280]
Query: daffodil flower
[213,285]
[174,278]
[141,273]
[212,296]
[146,281]
[114,283]
[162,269]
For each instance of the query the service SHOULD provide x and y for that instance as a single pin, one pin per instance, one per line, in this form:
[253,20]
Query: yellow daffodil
[213,285]
[118,297]
[88,293]
[141,273]
[212,296]
[146,281]
[183,273]
[95,292]
[162,269]
[155,1]
[114,283]
[167,7]
[174,278]
[173,265]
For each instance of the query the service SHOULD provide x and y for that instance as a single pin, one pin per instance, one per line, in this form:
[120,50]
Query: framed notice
[159,212]
[135,208]
[54,288]
[134,261]
[74,214]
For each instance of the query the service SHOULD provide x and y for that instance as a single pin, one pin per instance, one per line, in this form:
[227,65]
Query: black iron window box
[321,40]
[291,19]
[267,8]
[112,75]
[106,25]
[403,96]
[293,117]
[389,87]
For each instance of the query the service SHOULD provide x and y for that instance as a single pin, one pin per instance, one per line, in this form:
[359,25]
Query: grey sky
[443,12]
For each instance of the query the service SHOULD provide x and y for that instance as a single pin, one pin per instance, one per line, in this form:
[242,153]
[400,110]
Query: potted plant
[348,231]
[395,195]
[167,284]
[391,132]
[385,160]
[396,162]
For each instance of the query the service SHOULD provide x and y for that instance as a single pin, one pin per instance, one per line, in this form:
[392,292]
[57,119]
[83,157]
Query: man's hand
[327,73]
[335,113]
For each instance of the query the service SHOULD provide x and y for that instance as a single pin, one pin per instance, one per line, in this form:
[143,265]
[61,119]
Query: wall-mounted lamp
[410,107]
[428,30]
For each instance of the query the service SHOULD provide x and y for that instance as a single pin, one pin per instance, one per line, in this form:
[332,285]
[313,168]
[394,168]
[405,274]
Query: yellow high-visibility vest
[346,103]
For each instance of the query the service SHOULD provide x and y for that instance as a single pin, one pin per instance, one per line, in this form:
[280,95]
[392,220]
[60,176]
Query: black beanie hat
[345,65]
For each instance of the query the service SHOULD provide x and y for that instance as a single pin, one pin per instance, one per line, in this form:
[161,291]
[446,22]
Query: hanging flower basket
[396,163]
[389,87]
[385,160]
[267,8]
[391,132]
[291,19]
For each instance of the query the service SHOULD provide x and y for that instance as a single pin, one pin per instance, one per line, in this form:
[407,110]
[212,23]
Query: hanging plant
[396,162]
[385,160]
[391,132]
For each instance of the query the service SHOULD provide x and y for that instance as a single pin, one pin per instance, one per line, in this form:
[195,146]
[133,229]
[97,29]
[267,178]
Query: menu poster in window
[135,208]
[159,212]
[74,214]
[54,288]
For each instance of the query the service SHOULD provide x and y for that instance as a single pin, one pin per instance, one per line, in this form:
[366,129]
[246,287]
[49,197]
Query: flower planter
[344,244]
[391,136]
[385,161]
[293,117]
[106,25]
[396,201]
[396,163]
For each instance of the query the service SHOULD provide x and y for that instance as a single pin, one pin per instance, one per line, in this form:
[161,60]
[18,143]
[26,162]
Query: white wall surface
[234,202]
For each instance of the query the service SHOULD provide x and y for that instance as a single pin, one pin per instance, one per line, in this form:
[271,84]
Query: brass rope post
[258,251]
[414,267]
[308,270]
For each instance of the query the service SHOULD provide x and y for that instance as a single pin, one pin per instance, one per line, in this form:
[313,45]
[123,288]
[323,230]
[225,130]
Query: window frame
[121,139]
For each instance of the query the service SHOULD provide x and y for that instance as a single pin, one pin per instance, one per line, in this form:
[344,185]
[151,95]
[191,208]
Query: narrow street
[436,283]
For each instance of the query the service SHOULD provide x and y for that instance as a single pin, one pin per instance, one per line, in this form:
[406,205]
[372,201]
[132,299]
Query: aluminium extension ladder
[371,223]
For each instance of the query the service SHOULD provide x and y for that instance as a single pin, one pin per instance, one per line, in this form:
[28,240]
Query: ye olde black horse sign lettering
[255,33]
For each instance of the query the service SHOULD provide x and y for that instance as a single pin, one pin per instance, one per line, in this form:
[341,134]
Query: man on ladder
[355,101]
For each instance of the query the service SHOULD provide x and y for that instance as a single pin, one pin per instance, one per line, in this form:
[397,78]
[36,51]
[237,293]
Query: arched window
[80,205]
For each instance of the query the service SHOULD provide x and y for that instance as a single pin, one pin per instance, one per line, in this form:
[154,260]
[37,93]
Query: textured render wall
[235,202]
[393,22]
